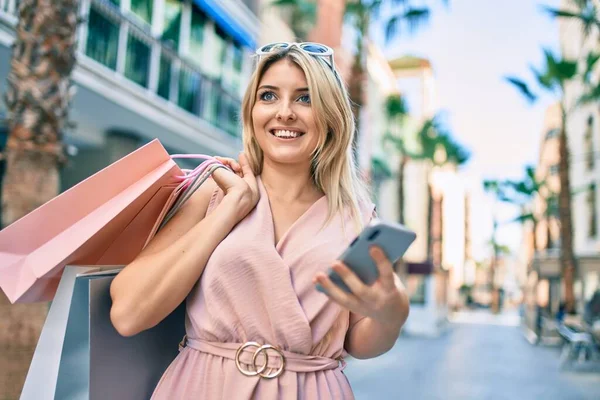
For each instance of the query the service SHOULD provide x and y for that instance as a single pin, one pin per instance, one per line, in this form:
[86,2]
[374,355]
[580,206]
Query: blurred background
[479,128]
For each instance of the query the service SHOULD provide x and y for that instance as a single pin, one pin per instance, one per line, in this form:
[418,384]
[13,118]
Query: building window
[172,30]
[554,169]
[220,52]
[137,60]
[589,144]
[592,213]
[189,90]
[103,38]
[143,9]
[197,36]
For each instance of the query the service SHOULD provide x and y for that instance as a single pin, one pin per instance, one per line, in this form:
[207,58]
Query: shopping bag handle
[190,174]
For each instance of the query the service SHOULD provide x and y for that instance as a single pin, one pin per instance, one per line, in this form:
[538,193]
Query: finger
[384,265]
[230,162]
[359,289]
[224,178]
[347,300]
[247,170]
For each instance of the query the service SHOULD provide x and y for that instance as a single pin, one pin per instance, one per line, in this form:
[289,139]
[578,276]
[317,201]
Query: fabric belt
[253,359]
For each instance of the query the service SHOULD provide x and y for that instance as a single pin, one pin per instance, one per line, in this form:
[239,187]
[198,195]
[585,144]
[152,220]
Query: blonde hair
[334,170]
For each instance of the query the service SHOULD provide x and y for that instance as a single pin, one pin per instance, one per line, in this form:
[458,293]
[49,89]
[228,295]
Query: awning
[227,22]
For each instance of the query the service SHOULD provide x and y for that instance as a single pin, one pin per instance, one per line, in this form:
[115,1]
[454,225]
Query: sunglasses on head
[314,49]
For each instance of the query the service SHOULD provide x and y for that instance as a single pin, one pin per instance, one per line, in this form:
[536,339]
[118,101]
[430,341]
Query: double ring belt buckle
[259,370]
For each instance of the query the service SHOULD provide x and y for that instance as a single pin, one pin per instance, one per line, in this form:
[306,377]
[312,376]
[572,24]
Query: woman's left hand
[381,301]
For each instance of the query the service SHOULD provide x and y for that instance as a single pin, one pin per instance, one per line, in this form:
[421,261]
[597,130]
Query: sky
[473,45]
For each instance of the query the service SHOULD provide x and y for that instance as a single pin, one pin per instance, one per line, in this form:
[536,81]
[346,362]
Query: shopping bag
[106,219]
[81,356]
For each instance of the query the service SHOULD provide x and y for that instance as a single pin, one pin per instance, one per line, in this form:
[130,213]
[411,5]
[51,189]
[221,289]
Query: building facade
[167,69]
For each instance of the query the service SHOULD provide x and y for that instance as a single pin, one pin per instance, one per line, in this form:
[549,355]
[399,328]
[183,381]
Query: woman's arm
[384,305]
[163,274]
[370,338]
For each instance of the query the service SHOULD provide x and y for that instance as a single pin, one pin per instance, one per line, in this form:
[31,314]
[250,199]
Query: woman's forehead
[283,70]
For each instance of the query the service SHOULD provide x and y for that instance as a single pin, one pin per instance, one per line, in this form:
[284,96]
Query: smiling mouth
[285,134]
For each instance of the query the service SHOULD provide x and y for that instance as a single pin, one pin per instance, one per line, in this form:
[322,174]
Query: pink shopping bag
[104,220]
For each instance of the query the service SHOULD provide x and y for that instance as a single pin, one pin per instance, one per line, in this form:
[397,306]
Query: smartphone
[394,239]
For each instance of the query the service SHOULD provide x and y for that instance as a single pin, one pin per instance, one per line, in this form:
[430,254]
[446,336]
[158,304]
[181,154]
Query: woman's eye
[304,99]
[267,96]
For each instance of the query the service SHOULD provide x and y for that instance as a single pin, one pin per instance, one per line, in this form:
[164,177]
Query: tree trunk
[567,254]
[401,190]
[37,99]
[357,80]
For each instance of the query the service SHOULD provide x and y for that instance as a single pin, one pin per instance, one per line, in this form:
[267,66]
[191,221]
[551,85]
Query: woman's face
[282,117]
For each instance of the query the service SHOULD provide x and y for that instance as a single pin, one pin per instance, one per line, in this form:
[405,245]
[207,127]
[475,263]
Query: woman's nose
[285,113]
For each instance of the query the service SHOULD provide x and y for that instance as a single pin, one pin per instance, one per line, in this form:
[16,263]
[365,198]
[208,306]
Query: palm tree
[435,146]
[442,150]
[400,16]
[396,112]
[521,193]
[301,15]
[556,73]
[37,99]
[584,11]
[497,189]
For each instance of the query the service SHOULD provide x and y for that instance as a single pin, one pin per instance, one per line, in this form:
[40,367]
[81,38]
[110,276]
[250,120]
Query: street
[479,357]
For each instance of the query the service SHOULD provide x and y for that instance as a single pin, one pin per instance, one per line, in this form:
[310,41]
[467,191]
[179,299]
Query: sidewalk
[481,357]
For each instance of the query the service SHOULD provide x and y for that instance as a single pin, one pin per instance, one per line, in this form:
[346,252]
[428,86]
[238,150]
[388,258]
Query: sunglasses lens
[273,46]
[314,48]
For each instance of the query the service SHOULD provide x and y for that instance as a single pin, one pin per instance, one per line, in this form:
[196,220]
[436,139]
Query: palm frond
[523,88]
[590,62]
[586,15]
[375,8]
[524,218]
[561,69]
[545,80]
[392,28]
[380,168]
[491,185]
[395,106]
[592,95]
[416,17]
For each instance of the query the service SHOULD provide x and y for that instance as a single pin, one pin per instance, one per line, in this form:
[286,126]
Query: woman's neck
[289,183]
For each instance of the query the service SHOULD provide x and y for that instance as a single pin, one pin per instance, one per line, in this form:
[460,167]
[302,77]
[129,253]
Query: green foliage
[555,73]
[586,12]
[302,15]
[395,106]
[380,168]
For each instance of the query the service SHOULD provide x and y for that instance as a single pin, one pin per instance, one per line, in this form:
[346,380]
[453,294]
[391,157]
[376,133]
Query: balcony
[132,79]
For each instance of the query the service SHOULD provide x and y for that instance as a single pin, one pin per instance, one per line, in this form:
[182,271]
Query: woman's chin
[287,157]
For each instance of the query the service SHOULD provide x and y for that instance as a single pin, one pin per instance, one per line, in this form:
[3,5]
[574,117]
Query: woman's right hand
[240,186]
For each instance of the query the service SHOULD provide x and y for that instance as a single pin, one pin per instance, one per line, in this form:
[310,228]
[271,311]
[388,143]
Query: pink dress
[254,291]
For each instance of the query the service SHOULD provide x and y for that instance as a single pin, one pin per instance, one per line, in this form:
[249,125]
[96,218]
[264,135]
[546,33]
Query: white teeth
[286,134]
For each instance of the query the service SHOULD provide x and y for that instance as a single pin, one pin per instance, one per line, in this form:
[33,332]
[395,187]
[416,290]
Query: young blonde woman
[249,249]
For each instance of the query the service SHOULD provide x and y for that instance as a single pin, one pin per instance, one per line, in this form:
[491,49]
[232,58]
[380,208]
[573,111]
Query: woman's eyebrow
[268,87]
[271,87]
